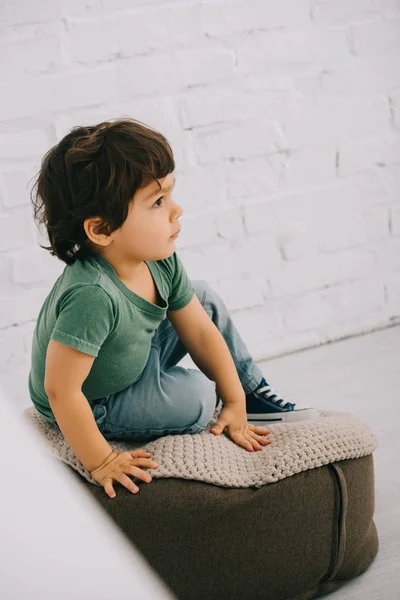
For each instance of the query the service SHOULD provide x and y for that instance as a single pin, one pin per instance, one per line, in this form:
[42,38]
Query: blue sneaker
[265,407]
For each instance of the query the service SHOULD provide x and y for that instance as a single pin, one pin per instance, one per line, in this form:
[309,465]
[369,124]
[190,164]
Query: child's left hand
[239,430]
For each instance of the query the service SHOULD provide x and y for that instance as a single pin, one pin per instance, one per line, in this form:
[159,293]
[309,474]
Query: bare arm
[78,426]
[66,371]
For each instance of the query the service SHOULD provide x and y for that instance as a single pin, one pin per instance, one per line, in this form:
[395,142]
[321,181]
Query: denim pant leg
[172,350]
[169,399]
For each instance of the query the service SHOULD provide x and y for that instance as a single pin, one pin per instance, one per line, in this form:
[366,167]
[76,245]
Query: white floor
[360,375]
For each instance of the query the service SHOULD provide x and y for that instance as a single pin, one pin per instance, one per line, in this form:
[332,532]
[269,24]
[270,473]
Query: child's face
[152,220]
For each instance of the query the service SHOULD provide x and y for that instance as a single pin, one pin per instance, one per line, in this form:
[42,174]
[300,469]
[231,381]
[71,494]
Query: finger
[260,439]
[240,439]
[254,442]
[136,472]
[127,482]
[108,487]
[139,452]
[259,430]
[146,462]
[249,436]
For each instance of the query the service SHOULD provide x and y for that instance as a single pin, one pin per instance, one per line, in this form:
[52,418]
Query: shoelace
[269,392]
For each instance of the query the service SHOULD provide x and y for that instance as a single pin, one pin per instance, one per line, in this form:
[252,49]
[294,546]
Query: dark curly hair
[95,171]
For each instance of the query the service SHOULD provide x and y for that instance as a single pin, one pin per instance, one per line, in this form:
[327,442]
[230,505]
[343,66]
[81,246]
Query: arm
[78,426]
[209,351]
[66,370]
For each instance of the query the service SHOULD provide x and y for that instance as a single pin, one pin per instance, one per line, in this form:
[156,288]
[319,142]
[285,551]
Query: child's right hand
[119,465]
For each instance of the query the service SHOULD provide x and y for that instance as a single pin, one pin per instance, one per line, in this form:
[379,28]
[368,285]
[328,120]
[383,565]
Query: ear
[98,236]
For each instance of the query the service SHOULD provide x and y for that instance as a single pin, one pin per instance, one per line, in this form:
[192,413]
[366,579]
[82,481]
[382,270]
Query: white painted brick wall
[284,118]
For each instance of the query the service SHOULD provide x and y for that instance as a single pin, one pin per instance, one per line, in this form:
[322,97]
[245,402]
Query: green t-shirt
[91,309]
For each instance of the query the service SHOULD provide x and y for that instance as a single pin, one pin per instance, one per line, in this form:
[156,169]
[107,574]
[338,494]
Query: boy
[123,313]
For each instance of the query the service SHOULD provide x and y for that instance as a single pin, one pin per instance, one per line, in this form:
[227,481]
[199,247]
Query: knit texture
[216,459]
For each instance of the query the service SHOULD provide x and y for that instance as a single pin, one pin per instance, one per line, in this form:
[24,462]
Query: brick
[198,230]
[259,323]
[346,231]
[233,259]
[331,121]
[159,113]
[322,271]
[308,311]
[392,183]
[362,153]
[310,166]
[389,8]
[277,346]
[5,268]
[346,299]
[395,221]
[22,307]
[113,5]
[20,11]
[231,18]
[126,35]
[337,304]
[35,265]
[275,48]
[378,186]
[255,177]
[103,44]
[54,93]
[331,11]
[376,223]
[240,141]
[16,186]
[14,350]
[177,69]
[393,294]
[229,104]
[318,221]
[388,255]
[197,189]
[24,144]
[243,294]
[17,230]
[302,211]
[362,78]
[382,38]
[229,224]
[395,102]
[31,55]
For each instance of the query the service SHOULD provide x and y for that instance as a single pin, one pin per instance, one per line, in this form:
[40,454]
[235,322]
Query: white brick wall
[284,118]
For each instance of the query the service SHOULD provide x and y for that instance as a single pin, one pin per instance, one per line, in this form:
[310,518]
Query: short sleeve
[85,318]
[182,290]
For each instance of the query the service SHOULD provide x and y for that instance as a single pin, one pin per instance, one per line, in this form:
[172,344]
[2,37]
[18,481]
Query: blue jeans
[170,399]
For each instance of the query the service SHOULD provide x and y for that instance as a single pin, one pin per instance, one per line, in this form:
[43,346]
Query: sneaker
[265,407]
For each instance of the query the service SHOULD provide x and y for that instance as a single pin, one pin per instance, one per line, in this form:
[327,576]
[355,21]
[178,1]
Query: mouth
[175,234]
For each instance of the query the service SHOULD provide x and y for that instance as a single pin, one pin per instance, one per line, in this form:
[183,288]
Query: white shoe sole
[293,416]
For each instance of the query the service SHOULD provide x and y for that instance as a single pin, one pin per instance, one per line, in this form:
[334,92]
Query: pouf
[292,521]
[301,537]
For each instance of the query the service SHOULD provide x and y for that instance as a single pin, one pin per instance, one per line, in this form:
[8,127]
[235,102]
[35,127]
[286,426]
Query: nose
[177,210]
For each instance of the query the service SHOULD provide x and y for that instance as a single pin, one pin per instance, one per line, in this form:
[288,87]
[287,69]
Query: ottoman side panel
[207,541]
[362,542]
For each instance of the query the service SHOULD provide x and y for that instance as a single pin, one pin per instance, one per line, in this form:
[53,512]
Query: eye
[159,200]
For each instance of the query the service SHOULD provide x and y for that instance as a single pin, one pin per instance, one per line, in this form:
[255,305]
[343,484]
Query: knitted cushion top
[216,459]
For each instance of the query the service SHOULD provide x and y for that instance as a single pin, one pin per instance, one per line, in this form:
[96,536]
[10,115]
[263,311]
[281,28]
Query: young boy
[123,312]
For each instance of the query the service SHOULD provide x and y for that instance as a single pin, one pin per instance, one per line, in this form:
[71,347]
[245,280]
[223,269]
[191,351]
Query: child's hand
[240,431]
[119,466]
